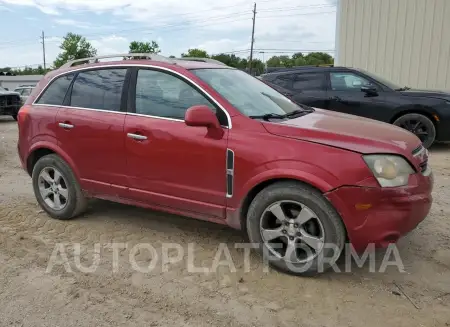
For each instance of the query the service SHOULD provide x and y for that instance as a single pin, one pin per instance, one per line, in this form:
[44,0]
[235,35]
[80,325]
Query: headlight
[389,170]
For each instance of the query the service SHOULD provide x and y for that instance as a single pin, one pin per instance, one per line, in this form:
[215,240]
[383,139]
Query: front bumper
[9,109]
[382,215]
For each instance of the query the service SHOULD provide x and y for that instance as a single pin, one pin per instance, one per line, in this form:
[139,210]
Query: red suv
[208,141]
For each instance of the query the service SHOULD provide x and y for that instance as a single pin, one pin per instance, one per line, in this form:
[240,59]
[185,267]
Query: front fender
[287,169]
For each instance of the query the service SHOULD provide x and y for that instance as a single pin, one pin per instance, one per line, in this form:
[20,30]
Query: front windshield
[247,94]
[380,79]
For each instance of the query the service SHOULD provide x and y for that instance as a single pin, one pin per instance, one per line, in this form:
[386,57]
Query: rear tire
[56,188]
[14,116]
[318,241]
[419,125]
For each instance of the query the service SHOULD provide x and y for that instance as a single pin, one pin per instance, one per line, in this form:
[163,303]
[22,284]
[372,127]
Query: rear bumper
[381,216]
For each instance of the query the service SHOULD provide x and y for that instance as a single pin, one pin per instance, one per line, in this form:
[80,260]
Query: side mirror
[6,88]
[203,116]
[369,90]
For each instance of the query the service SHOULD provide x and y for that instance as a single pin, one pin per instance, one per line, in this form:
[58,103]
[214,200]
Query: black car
[10,103]
[358,92]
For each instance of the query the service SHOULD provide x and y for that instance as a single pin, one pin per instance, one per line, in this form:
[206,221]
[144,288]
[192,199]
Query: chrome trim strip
[132,65]
[229,172]
[157,117]
[79,108]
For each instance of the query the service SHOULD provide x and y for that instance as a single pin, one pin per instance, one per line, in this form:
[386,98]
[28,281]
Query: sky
[282,26]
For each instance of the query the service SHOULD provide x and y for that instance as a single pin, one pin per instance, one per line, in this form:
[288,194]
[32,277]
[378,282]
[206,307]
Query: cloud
[48,10]
[71,22]
[284,25]
[4,8]
[110,45]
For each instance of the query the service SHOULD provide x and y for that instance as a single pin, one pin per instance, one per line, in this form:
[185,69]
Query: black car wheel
[297,229]
[419,125]
[14,116]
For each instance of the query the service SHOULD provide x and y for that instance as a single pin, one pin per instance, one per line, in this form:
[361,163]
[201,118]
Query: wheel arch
[251,194]
[425,111]
[41,149]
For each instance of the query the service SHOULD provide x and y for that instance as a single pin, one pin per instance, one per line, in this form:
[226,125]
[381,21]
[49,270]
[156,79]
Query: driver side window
[164,95]
[348,82]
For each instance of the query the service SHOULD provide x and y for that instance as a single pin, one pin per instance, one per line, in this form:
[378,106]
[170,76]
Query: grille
[423,166]
[421,154]
[417,150]
[9,100]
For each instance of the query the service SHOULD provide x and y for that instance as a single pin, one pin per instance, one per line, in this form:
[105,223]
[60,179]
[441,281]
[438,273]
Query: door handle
[137,136]
[66,126]
[335,98]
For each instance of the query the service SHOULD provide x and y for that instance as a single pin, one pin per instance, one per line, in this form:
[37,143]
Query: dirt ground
[33,295]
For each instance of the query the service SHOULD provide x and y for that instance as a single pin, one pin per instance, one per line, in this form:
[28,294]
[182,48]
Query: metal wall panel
[406,41]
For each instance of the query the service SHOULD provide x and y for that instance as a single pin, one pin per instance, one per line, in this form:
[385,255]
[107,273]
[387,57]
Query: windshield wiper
[268,116]
[295,113]
[405,88]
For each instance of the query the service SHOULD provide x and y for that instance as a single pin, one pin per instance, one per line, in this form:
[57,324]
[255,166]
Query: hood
[347,132]
[427,93]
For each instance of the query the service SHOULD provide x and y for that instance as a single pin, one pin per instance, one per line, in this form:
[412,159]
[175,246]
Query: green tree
[197,53]
[319,58]
[73,47]
[257,67]
[274,61]
[144,47]
[230,60]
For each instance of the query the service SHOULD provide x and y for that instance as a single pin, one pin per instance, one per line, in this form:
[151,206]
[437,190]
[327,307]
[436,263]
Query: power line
[292,15]
[296,8]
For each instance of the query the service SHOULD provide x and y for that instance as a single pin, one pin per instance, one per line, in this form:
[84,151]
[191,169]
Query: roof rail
[209,60]
[150,56]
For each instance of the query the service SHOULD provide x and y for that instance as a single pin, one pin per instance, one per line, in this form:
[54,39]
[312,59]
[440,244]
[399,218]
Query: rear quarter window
[56,91]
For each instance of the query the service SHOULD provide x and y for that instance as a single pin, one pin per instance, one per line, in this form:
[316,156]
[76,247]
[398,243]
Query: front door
[345,96]
[90,130]
[169,163]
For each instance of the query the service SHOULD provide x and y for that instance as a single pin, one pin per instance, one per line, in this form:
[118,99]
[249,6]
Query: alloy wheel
[53,188]
[292,231]
[417,127]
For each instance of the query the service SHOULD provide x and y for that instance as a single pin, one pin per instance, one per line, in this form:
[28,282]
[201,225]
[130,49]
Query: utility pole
[43,47]
[253,39]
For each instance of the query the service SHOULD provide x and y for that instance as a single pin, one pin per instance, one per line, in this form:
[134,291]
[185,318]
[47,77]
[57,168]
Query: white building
[406,41]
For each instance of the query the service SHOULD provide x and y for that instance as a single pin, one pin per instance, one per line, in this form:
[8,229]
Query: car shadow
[6,119]
[155,226]
[440,147]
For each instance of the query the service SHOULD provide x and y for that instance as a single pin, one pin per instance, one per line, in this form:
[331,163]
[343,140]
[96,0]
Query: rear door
[345,96]
[307,88]
[42,126]
[310,88]
[90,127]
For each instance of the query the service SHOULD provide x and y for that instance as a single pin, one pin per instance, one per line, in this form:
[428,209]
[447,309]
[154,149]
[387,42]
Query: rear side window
[56,91]
[98,89]
[309,82]
[284,81]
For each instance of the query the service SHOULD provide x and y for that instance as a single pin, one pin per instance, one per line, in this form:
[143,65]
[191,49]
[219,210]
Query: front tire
[14,116]
[298,230]
[419,125]
[56,188]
